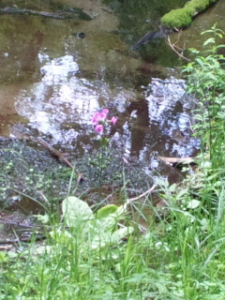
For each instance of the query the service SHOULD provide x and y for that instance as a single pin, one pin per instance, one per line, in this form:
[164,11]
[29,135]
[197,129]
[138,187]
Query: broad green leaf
[106,211]
[61,237]
[209,41]
[44,219]
[121,233]
[193,204]
[106,238]
[194,51]
[76,211]
[7,256]
[221,46]
[106,224]
[172,188]
[43,250]
[200,61]
[204,223]
[109,222]
[122,210]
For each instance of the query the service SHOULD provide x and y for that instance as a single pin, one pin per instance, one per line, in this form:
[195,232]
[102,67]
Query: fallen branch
[60,156]
[175,48]
[55,153]
[142,195]
[174,161]
[26,135]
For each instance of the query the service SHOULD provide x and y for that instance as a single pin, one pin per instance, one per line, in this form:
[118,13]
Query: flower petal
[99,128]
[113,120]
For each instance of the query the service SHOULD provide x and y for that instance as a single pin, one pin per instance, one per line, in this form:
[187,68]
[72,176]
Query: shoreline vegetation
[182,17]
[107,253]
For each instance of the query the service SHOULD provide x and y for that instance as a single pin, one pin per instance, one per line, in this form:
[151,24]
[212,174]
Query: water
[53,79]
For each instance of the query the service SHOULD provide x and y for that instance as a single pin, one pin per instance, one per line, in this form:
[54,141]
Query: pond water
[56,73]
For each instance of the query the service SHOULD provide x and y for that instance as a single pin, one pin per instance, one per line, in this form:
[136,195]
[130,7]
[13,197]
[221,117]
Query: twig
[128,201]
[142,195]
[174,47]
[54,153]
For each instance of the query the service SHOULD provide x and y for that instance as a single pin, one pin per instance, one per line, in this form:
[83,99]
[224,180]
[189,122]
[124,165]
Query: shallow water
[52,81]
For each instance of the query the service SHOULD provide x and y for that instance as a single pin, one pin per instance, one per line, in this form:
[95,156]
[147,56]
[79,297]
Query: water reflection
[59,98]
[60,107]
[64,79]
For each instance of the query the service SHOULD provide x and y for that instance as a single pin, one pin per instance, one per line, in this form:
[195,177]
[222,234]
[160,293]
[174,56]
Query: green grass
[180,256]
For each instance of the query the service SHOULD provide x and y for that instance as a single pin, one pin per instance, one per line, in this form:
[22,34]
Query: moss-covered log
[182,17]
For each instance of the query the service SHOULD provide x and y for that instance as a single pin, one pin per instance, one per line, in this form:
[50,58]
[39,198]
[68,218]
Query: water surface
[52,80]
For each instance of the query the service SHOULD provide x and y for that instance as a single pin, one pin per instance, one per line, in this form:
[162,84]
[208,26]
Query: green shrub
[206,80]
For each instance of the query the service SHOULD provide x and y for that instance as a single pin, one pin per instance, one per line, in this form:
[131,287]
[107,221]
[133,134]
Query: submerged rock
[149,36]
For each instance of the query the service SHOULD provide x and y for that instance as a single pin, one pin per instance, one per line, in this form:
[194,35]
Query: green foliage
[103,212]
[206,80]
[86,256]
[76,211]
[182,17]
[101,231]
[77,258]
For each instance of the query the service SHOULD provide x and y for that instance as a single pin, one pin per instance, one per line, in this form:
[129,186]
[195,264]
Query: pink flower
[104,114]
[99,117]
[99,128]
[95,119]
[113,120]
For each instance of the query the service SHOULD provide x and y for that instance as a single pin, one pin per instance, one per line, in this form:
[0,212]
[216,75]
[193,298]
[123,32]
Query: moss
[190,8]
[177,18]
[182,17]
[197,5]
[191,11]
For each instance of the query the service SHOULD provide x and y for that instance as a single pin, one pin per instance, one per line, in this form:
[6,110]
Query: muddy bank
[32,182]
[27,172]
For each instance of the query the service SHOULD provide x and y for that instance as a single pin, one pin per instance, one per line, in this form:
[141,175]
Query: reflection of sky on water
[62,103]
[169,109]
[59,98]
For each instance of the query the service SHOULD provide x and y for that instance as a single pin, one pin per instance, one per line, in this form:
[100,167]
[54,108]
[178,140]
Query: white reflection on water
[62,103]
[59,97]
